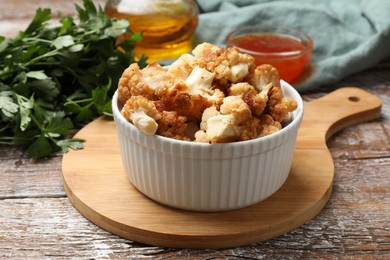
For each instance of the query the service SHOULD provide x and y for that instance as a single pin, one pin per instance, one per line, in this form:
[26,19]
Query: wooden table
[37,221]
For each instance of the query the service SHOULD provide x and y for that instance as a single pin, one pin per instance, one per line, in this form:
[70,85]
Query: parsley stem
[47,54]
[34,40]
[37,123]
[69,101]
[48,63]
[42,129]
[9,140]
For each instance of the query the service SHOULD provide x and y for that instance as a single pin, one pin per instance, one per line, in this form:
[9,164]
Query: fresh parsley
[56,76]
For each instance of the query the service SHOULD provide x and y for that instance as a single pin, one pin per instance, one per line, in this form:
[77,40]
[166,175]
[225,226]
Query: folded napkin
[348,35]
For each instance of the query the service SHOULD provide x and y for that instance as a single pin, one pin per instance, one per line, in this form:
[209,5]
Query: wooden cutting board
[96,184]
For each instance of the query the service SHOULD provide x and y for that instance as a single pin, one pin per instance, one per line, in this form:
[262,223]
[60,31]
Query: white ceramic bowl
[208,177]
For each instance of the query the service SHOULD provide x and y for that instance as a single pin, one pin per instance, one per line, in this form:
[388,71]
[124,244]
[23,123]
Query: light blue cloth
[349,35]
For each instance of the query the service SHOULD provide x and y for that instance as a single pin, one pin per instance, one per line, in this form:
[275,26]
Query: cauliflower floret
[135,81]
[228,65]
[172,125]
[241,89]
[205,51]
[142,113]
[256,101]
[199,82]
[250,129]
[188,100]
[237,107]
[268,125]
[238,71]
[222,129]
[278,106]
[264,75]
[182,67]
[154,75]
[224,125]
[208,112]
[201,137]
[177,99]
[266,80]
[192,96]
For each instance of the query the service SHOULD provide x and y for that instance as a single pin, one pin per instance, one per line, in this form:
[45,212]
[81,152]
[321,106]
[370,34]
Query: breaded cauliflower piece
[228,65]
[142,113]
[172,125]
[237,107]
[208,112]
[216,95]
[182,67]
[222,129]
[192,96]
[205,51]
[268,125]
[255,100]
[278,106]
[224,125]
[264,75]
[135,81]
[250,129]
[266,79]
[258,127]
[199,82]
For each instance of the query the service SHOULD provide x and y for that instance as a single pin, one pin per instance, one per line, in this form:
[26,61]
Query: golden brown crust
[172,125]
[242,100]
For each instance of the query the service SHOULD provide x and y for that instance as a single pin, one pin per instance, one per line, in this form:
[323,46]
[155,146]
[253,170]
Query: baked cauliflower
[257,101]
[135,81]
[224,125]
[142,113]
[214,95]
[182,67]
[228,65]
[265,78]
[192,96]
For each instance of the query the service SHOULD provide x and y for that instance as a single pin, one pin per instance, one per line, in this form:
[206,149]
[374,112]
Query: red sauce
[289,66]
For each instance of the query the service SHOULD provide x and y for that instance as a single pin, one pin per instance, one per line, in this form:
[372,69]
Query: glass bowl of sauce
[288,50]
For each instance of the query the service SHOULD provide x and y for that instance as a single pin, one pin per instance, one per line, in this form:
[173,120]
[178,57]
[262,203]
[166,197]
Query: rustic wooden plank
[355,223]
[23,177]
[363,184]
[367,140]
[46,228]
[37,222]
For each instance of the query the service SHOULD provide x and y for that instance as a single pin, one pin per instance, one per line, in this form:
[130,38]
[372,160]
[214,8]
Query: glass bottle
[167,25]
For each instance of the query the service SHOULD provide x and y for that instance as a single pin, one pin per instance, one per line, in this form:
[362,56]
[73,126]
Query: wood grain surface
[97,185]
[37,221]
[353,225]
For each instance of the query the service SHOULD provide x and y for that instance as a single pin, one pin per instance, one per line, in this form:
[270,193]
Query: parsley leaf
[25,106]
[39,148]
[7,106]
[57,76]
[63,41]
[73,143]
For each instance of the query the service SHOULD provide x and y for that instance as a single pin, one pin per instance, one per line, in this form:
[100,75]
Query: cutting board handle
[341,108]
